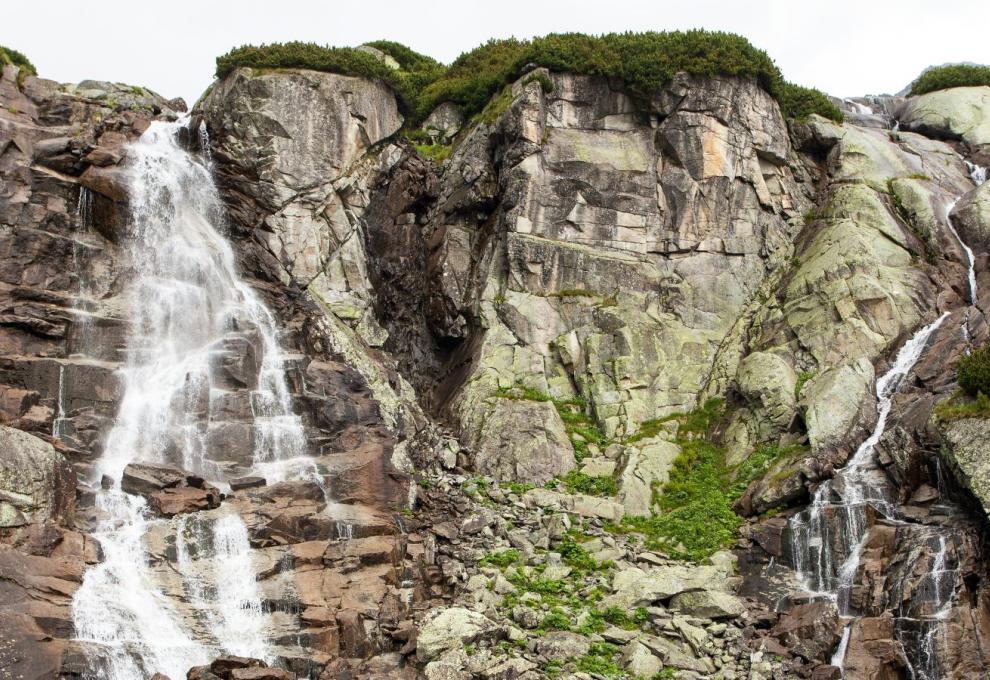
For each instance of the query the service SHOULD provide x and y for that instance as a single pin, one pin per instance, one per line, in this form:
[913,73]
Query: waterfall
[190,313]
[826,539]
[977,173]
[58,423]
[970,257]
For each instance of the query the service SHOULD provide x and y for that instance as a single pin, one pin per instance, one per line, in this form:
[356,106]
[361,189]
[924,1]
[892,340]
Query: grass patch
[696,516]
[502,559]
[578,559]
[757,464]
[576,481]
[573,292]
[954,75]
[11,56]
[437,153]
[600,660]
[959,406]
[643,62]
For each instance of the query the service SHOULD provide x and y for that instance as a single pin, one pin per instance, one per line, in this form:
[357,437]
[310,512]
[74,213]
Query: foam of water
[186,301]
[977,173]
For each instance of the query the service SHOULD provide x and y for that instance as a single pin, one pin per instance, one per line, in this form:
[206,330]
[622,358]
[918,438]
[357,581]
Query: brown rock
[177,501]
[809,630]
[261,674]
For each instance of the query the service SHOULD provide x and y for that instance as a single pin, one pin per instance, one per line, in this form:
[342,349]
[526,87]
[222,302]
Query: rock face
[36,483]
[586,263]
[958,113]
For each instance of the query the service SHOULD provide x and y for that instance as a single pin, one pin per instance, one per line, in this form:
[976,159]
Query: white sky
[845,47]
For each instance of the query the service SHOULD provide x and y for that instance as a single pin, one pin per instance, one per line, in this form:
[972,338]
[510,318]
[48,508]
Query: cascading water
[827,538]
[190,312]
[977,173]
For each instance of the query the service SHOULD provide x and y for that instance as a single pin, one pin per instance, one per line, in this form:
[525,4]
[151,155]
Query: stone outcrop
[957,113]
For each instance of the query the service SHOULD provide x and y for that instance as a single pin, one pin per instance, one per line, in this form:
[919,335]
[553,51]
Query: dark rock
[247,483]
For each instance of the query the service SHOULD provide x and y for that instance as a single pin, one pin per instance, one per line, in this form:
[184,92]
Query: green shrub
[10,56]
[578,482]
[501,559]
[955,75]
[415,72]
[974,372]
[643,62]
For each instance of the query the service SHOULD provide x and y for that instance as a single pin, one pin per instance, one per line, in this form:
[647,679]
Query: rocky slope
[585,267]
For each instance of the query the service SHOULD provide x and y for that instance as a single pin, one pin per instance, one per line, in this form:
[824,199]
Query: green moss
[974,372]
[579,559]
[954,75]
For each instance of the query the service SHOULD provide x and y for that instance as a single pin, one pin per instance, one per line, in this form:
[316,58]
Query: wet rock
[247,483]
[176,501]
[809,630]
[36,483]
[144,479]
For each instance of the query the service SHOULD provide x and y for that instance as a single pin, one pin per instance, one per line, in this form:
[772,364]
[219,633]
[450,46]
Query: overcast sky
[845,47]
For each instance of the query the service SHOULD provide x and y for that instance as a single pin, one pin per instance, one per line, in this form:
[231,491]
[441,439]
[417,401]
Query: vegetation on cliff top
[9,56]
[954,75]
[643,62]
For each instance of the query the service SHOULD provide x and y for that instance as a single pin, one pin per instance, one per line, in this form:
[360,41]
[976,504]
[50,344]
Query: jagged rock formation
[629,257]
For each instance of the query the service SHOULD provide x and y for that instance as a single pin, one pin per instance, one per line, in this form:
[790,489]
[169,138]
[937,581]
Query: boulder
[955,113]
[524,441]
[145,478]
[767,380]
[971,215]
[452,628]
[560,645]
[645,465]
[176,501]
[639,661]
[36,483]
[634,587]
[809,630]
[708,604]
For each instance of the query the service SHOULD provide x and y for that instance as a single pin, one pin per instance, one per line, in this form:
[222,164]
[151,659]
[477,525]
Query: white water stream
[827,539]
[188,307]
